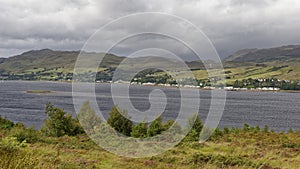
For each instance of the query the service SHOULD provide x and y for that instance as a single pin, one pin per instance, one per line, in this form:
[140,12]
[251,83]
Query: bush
[193,135]
[30,135]
[88,118]
[6,124]
[194,122]
[246,127]
[155,128]
[120,121]
[217,134]
[266,129]
[11,144]
[226,130]
[139,130]
[14,156]
[60,123]
[167,125]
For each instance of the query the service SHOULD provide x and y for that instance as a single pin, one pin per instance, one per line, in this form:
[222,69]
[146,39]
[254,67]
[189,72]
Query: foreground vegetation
[62,143]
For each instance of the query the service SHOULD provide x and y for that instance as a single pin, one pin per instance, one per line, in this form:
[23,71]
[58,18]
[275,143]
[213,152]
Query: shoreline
[232,90]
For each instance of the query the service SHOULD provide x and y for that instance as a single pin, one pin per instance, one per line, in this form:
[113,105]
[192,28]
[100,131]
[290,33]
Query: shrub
[266,129]
[195,125]
[167,125]
[11,143]
[60,123]
[257,129]
[193,135]
[217,133]
[246,127]
[5,123]
[88,118]
[120,121]
[14,156]
[226,130]
[194,122]
[290,145]
[30,135]
[155,128]
[139,130]
[176,128]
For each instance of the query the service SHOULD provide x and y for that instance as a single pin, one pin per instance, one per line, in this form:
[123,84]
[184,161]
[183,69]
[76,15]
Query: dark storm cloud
[67,24]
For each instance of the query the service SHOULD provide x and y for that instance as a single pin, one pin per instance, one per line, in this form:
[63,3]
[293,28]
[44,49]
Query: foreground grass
[235,149]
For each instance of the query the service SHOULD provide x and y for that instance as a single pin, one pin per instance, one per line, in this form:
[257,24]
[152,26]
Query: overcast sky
[66,24]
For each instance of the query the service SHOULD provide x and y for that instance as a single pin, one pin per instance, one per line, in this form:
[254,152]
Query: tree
[120,121]
[60,123]
[88,118]
[195,125]
[139,130]
[155,128]
[6,124]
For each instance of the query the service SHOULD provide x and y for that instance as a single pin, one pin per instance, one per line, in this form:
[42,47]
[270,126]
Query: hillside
[48,59]
[65,61]
[288,53]
[281,62]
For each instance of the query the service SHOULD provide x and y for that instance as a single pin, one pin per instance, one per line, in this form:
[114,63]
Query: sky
[230,25]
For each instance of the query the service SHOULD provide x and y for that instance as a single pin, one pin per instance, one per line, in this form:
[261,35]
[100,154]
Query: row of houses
[230,88]
[245,89]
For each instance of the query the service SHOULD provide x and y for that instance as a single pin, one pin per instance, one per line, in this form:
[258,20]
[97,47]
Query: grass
[39,91]
[291,72]
[245,72]
[236,149]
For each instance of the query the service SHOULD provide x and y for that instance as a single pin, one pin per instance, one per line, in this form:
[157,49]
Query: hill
[47,64]
[288,53]
[48,59]
[281,62]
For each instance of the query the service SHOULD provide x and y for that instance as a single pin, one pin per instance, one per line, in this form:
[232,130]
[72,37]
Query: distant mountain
[280,62]
[2,60]
[65,60]
[46,64]
[48,59]
[289,53]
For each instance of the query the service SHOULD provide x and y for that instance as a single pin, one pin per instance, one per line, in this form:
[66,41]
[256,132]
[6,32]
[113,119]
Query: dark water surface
[278,110]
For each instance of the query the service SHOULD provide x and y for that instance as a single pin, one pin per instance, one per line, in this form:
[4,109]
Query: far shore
[156,85]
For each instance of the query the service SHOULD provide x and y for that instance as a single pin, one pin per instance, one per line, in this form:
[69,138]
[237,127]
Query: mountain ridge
[278,62]
[285,53]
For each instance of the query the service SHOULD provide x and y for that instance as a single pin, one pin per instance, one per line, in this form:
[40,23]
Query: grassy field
[233,73]
[234,148]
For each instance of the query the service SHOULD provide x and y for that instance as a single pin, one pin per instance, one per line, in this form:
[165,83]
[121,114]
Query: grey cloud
[67,24]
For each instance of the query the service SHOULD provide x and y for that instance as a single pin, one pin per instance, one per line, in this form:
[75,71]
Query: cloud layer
[66,24]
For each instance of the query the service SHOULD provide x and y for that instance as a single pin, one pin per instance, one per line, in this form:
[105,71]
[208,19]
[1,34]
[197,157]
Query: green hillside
[282,63]
[290,53]
[48,59]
